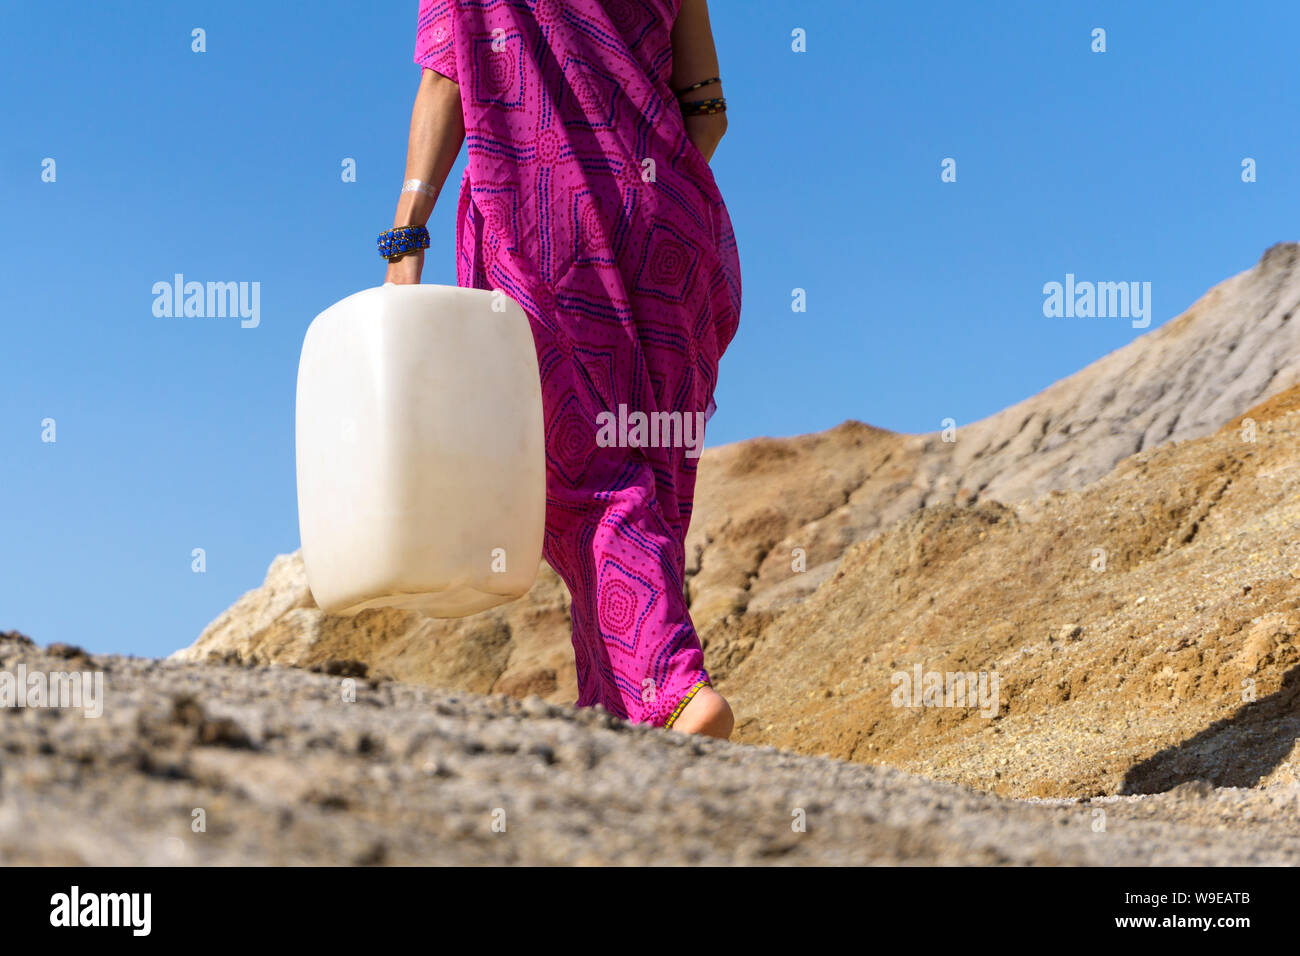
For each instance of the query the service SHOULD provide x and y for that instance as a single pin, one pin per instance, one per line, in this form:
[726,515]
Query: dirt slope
[1129,624]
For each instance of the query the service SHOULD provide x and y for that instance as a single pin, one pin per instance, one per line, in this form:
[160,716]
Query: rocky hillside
[974,568]
[759,500]
[1143,630]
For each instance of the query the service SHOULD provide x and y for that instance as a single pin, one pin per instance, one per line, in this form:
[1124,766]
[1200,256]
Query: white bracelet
[416,186]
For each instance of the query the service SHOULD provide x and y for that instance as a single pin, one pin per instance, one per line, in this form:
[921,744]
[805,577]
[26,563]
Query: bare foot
[708,713]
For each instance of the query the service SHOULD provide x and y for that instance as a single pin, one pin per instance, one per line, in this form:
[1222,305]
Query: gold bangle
[690,89]
[705,107]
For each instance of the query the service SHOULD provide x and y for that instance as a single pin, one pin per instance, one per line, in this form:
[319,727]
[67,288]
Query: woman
[588,199]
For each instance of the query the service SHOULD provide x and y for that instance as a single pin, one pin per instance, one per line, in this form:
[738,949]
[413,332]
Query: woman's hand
[437,132]
[406,270]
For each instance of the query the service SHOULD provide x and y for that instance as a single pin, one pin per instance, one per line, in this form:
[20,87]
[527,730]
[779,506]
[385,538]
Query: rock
[534,706]
[523,647]
[341,668]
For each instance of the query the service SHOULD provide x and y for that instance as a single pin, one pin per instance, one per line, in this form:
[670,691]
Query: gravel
[216,764]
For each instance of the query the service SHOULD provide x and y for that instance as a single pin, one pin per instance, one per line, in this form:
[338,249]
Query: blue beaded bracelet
[395,243]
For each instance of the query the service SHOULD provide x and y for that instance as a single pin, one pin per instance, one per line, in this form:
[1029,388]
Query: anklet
[684,701]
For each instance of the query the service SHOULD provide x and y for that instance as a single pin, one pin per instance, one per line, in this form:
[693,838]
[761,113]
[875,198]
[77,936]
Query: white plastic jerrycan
[421,457]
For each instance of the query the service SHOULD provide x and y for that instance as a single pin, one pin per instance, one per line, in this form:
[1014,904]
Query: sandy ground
[212,764]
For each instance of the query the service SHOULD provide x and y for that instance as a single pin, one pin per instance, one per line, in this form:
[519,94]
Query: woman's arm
[695,58]
[437,132]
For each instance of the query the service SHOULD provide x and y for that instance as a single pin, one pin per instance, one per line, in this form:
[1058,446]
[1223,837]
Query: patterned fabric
[585,201]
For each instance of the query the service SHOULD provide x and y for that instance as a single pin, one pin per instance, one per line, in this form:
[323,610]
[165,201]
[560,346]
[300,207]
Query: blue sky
[924,298]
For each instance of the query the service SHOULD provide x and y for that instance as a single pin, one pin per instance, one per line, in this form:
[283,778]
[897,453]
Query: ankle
[706,713]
